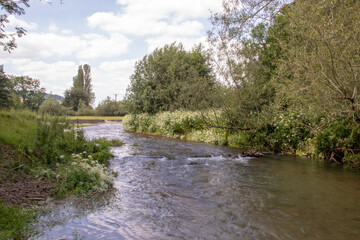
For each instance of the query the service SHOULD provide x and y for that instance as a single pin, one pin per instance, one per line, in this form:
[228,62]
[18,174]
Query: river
[173,189]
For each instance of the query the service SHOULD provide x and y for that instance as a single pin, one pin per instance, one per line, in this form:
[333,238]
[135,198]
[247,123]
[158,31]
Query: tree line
[24,92]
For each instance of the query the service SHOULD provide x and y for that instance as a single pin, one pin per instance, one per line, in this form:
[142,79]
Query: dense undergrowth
[48,148]
[337,141]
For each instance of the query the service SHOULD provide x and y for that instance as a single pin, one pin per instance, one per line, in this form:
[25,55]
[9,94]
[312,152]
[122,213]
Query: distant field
[95,118]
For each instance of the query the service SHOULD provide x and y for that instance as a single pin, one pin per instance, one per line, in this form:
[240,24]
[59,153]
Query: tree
[110,107]
[245,53]
[29,91]
[7,40]
[321,67]
[89,95]
[5,89]
[171,78]
[81,90]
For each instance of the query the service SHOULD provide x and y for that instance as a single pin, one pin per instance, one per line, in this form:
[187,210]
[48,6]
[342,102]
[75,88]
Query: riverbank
[42,157]
[335,142]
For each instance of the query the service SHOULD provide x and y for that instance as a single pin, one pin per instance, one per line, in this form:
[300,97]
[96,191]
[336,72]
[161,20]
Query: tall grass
[15,222]
[18,128]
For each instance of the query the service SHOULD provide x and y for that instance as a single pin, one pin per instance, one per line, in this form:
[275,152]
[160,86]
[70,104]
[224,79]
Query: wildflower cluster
[82,174]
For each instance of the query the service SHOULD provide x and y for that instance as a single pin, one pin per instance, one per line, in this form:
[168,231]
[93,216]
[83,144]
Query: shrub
[82,174]
[51,106]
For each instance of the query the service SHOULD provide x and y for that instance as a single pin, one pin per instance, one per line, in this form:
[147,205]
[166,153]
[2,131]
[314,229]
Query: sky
[109,35]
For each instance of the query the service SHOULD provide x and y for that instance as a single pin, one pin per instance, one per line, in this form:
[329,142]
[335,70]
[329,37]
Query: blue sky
[109,35]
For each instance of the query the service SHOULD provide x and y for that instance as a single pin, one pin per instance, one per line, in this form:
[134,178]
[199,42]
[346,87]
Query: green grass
[18,129]
[117,118]
[15,222]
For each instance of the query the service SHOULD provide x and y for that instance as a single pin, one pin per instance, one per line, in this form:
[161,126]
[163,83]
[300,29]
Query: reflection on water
[171,189]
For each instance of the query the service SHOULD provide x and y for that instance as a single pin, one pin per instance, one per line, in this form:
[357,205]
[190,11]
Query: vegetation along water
[279,76]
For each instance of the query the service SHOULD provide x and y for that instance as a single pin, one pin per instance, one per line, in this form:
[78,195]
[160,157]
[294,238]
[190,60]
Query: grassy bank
[44,155]
[337,141]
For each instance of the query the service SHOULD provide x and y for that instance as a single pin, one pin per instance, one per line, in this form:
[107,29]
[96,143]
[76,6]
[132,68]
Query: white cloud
[53,27]
[14,22]
[44,45]
[111,78]
[89,46]
[143,25]
[97,46]
[55,77]
[163,8]
[157,19]
[160,41]
[66,32]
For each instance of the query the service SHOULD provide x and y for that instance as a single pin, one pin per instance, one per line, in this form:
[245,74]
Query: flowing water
[172,189]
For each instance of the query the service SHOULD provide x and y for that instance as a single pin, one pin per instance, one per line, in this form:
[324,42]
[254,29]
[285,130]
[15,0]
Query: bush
[110,107]
[85,110]
[82,174]
[51,106]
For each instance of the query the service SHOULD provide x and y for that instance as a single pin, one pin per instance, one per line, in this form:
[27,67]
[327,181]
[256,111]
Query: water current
[173,189]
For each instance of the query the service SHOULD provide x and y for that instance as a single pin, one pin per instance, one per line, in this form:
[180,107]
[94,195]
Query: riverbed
[173,189]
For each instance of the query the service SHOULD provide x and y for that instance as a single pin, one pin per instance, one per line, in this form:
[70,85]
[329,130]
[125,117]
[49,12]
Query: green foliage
[171,124]
[81,91]
[287,132]
[337,134]
[85,110]
[15,222]
[51,106]
[51,145]
[29,92]
[183,124]
[171,78]
[18,128]
[5,90]
[82,174]
[319,71]
[110,107]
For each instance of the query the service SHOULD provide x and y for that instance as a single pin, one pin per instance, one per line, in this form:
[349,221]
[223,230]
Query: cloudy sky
[109,35]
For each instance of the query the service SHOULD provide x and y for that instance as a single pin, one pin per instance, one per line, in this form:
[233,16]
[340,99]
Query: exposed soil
[16,187]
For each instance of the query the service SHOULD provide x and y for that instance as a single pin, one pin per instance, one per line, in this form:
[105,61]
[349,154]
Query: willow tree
[321,70]
[245,55]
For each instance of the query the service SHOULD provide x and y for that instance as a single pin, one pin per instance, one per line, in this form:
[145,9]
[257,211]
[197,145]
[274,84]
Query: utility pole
[115,97]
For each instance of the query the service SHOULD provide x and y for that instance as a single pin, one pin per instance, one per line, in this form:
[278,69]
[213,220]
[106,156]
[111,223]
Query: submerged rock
[252,153]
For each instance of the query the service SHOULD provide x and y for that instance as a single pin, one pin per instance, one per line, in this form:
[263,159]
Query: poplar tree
[81,91]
